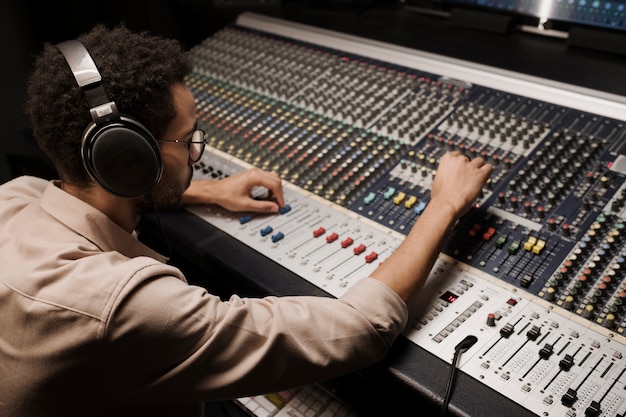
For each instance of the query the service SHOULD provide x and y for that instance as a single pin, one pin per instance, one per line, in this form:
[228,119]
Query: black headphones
[118,152]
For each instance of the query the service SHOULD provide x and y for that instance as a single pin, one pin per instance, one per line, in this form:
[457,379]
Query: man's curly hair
[137,70]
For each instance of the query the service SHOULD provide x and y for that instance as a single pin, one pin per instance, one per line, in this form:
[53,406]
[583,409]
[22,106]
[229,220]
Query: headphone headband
[80,62]
[89,80]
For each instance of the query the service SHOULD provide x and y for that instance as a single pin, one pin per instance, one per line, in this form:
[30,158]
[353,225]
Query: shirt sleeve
[175,342]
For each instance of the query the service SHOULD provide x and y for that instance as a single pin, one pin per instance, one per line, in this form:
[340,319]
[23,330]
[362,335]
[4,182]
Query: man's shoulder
[26,186]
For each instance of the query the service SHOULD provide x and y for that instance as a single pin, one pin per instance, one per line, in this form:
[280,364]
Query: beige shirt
[93,322]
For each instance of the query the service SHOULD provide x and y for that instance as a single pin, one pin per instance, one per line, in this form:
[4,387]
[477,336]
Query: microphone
[460,348]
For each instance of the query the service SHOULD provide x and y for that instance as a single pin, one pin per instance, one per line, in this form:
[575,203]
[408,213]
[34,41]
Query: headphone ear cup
[122,156]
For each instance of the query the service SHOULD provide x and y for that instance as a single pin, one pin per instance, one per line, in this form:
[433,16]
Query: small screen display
[449,296]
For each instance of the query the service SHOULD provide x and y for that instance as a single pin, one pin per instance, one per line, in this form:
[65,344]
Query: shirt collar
[92,224]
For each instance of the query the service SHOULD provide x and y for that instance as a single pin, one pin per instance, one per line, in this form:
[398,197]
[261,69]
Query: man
[92,322]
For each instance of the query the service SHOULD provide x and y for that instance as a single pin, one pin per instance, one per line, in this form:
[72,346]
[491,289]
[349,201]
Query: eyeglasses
[196,144]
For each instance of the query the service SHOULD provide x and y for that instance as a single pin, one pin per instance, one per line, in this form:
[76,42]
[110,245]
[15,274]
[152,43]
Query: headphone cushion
[122,156]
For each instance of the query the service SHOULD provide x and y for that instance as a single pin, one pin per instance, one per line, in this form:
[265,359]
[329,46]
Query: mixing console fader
[536,270]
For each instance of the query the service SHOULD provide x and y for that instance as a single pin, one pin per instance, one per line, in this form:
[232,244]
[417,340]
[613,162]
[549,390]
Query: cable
[463,346]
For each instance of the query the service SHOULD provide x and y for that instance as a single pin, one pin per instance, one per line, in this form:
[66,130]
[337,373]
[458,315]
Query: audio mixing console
[536,270]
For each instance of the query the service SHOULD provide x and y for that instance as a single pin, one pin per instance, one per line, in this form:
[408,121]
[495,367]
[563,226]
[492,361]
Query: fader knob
[552,224]
[541,212]
[527,207]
